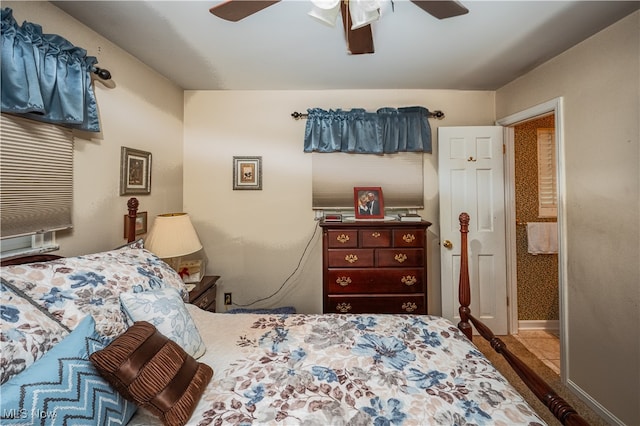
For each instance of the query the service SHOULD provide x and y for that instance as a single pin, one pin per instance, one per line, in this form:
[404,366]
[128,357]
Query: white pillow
[165,309]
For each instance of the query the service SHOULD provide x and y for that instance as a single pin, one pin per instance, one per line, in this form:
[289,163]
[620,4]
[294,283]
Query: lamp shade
[172,235]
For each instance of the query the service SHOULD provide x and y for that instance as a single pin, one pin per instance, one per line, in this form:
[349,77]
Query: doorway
[537,274]
[540,309]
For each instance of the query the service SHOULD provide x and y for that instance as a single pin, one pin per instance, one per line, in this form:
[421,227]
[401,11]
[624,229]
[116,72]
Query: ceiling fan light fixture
[323,14]
[363,12]
[326,4]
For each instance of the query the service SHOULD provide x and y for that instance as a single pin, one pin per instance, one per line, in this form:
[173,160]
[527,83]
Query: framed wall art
[368,202]
[141,224]
[135,171]
[247,173]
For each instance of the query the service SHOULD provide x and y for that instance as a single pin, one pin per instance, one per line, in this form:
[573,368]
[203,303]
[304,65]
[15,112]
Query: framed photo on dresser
[368,202]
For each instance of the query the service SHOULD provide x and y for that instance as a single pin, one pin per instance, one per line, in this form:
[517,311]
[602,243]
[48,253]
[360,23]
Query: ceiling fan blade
[441,9]
[359,41]
[235,10]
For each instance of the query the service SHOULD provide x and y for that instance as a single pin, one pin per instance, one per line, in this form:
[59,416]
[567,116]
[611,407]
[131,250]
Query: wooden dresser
[374,267]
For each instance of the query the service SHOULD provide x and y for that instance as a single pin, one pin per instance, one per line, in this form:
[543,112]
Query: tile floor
[543,344]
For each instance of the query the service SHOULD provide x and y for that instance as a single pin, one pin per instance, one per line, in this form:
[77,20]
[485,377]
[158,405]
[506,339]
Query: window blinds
[547,186]
[36,168]
[336,174]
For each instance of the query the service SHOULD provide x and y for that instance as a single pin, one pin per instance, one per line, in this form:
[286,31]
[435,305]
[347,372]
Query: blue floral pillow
[63,386]
[27,332]
[165,309]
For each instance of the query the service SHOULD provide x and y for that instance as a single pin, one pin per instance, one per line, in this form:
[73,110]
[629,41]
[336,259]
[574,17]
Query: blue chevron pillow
[64,388]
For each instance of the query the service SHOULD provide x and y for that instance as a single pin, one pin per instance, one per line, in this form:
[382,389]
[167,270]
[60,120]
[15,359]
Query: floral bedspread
[348,370]
[270,369]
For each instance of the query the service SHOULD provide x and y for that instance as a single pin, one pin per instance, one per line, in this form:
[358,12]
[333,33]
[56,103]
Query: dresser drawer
[375,238]
[346,281]
[206,300]
[342,238]
[400,304]
[354,258]
[408,237]
[399,257]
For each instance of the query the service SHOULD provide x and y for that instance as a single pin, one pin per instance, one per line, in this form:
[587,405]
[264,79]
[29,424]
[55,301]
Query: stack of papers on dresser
[409,217]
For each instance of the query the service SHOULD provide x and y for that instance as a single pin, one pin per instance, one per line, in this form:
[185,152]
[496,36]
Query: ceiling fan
[359,40]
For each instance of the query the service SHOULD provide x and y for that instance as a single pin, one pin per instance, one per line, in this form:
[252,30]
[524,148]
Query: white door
[470,170]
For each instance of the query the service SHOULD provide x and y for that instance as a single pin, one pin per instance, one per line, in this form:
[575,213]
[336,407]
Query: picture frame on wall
[141,224]
[247,173]
[368,202]
[135,171]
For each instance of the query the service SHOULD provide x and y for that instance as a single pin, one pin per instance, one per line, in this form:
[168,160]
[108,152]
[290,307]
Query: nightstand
[203,294]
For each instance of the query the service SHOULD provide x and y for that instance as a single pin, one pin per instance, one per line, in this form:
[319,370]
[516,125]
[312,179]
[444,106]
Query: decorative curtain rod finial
[102,73]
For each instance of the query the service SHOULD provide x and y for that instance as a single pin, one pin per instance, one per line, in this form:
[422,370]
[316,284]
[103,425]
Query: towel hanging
[542,237]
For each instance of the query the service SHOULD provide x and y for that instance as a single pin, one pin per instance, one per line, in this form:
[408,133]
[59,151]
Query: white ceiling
[282,48]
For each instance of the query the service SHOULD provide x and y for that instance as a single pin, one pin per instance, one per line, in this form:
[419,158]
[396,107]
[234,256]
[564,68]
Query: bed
[94,315]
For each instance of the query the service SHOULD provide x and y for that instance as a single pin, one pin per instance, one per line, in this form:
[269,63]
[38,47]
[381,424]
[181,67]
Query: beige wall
[254,239]
[599,81]
[143,111]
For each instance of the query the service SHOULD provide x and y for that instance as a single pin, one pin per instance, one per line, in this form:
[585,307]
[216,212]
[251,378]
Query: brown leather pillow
[153,372]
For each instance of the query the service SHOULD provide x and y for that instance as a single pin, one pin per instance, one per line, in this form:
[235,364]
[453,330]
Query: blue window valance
[45,77]
[385,131]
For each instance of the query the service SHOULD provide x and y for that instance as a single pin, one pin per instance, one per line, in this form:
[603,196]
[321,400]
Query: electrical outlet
[227,299]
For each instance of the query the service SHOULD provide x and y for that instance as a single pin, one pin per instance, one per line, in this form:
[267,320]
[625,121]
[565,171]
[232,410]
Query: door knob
[448,244]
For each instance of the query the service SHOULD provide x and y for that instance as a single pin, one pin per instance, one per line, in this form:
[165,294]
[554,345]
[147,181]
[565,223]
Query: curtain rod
[432,114]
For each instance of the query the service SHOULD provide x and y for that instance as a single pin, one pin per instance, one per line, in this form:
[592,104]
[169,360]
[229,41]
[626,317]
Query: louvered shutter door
[547,185]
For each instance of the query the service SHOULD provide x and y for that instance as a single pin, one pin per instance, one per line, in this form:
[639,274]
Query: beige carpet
[544,372]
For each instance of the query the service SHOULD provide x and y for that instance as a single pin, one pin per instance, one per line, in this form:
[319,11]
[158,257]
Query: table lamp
[171,237]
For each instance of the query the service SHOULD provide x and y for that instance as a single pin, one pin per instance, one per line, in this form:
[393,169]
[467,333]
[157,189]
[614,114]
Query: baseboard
[549,325]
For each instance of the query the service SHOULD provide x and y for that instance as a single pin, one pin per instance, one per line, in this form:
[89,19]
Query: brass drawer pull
[351,258]
[375,234]
[409,307]
[409,280]
[400,257]
[342,238]
[408,238]
[343,307]
[343,281]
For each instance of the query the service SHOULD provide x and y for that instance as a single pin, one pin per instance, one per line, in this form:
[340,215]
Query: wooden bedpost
[562,411]
[132,205]
[464,290]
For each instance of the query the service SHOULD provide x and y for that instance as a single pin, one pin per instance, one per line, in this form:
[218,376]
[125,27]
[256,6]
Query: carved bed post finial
[132,205]
[464,289]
